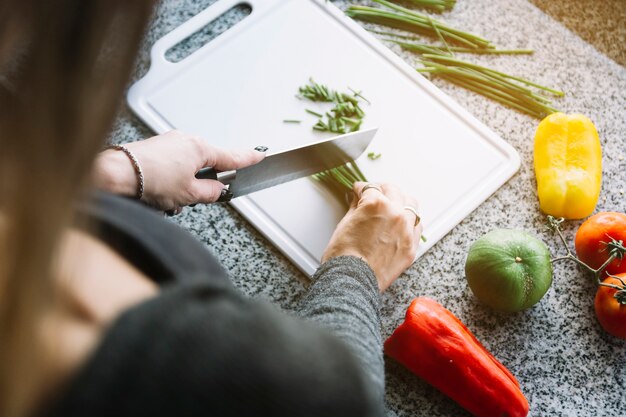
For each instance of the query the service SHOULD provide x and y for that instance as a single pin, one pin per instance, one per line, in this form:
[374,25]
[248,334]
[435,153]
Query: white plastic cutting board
[236,91]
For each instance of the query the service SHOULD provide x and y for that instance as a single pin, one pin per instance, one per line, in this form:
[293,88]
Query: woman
[105,308]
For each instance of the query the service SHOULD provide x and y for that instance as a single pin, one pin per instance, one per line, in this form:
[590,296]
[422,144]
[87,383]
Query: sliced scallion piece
[344,117]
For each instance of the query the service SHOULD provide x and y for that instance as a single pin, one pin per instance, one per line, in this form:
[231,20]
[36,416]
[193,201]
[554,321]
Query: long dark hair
[64,65]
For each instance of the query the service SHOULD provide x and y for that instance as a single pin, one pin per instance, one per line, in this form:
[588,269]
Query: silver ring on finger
[372,187]
[418,219]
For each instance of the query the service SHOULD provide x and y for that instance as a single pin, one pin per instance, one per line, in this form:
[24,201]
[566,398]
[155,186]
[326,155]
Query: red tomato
[594,234]
[610,311]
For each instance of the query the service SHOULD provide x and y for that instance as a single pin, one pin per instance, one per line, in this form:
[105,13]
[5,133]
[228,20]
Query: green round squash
[509,270]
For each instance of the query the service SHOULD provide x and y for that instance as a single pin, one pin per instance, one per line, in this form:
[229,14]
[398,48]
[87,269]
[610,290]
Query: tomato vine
[616,251]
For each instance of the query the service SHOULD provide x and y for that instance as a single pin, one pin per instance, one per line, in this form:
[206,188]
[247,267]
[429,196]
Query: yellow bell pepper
[568,165]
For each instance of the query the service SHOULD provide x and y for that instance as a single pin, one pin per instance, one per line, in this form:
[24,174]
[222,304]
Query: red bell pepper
[436,346]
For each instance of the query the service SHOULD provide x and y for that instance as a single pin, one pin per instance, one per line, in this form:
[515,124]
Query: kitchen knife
[292,164]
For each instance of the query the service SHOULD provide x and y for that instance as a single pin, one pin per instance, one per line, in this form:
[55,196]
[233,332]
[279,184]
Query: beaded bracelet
[135,164]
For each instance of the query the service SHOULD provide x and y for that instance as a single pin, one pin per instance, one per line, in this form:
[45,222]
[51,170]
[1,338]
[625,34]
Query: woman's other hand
[169,163]
[380,229]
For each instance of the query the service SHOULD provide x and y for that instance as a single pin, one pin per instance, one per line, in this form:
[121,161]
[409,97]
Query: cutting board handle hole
[207,33]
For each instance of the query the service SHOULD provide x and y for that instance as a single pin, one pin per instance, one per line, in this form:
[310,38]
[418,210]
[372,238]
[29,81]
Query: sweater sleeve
[344,298]
[197,350]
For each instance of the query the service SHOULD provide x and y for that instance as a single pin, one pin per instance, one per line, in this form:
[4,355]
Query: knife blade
[292,164]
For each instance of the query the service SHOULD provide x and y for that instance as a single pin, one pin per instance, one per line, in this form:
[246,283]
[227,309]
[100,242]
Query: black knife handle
[225,177]
[207,174]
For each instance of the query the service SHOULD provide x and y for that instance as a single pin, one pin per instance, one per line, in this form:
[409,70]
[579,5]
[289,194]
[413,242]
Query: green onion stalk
[436,5]
[507,89]
[409,20]
[415,46]
[450,50]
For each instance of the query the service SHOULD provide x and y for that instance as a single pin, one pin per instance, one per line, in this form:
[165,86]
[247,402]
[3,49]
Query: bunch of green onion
[504,88]
[405,19]
[440,61]
[341,179]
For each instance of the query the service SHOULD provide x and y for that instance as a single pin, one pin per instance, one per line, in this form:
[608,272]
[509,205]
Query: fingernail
[225,196]
[261,148]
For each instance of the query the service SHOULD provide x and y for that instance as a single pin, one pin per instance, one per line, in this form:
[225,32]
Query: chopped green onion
[358,94]
[314,113]
[315,92]
[373,156]
[345,116]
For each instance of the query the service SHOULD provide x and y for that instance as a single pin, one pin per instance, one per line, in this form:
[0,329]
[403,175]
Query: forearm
[344,298]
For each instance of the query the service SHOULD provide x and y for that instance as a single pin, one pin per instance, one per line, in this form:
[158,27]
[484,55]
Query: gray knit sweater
[201,348]
[344,298]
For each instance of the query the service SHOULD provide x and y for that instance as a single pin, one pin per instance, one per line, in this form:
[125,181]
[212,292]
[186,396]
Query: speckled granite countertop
[565,363]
